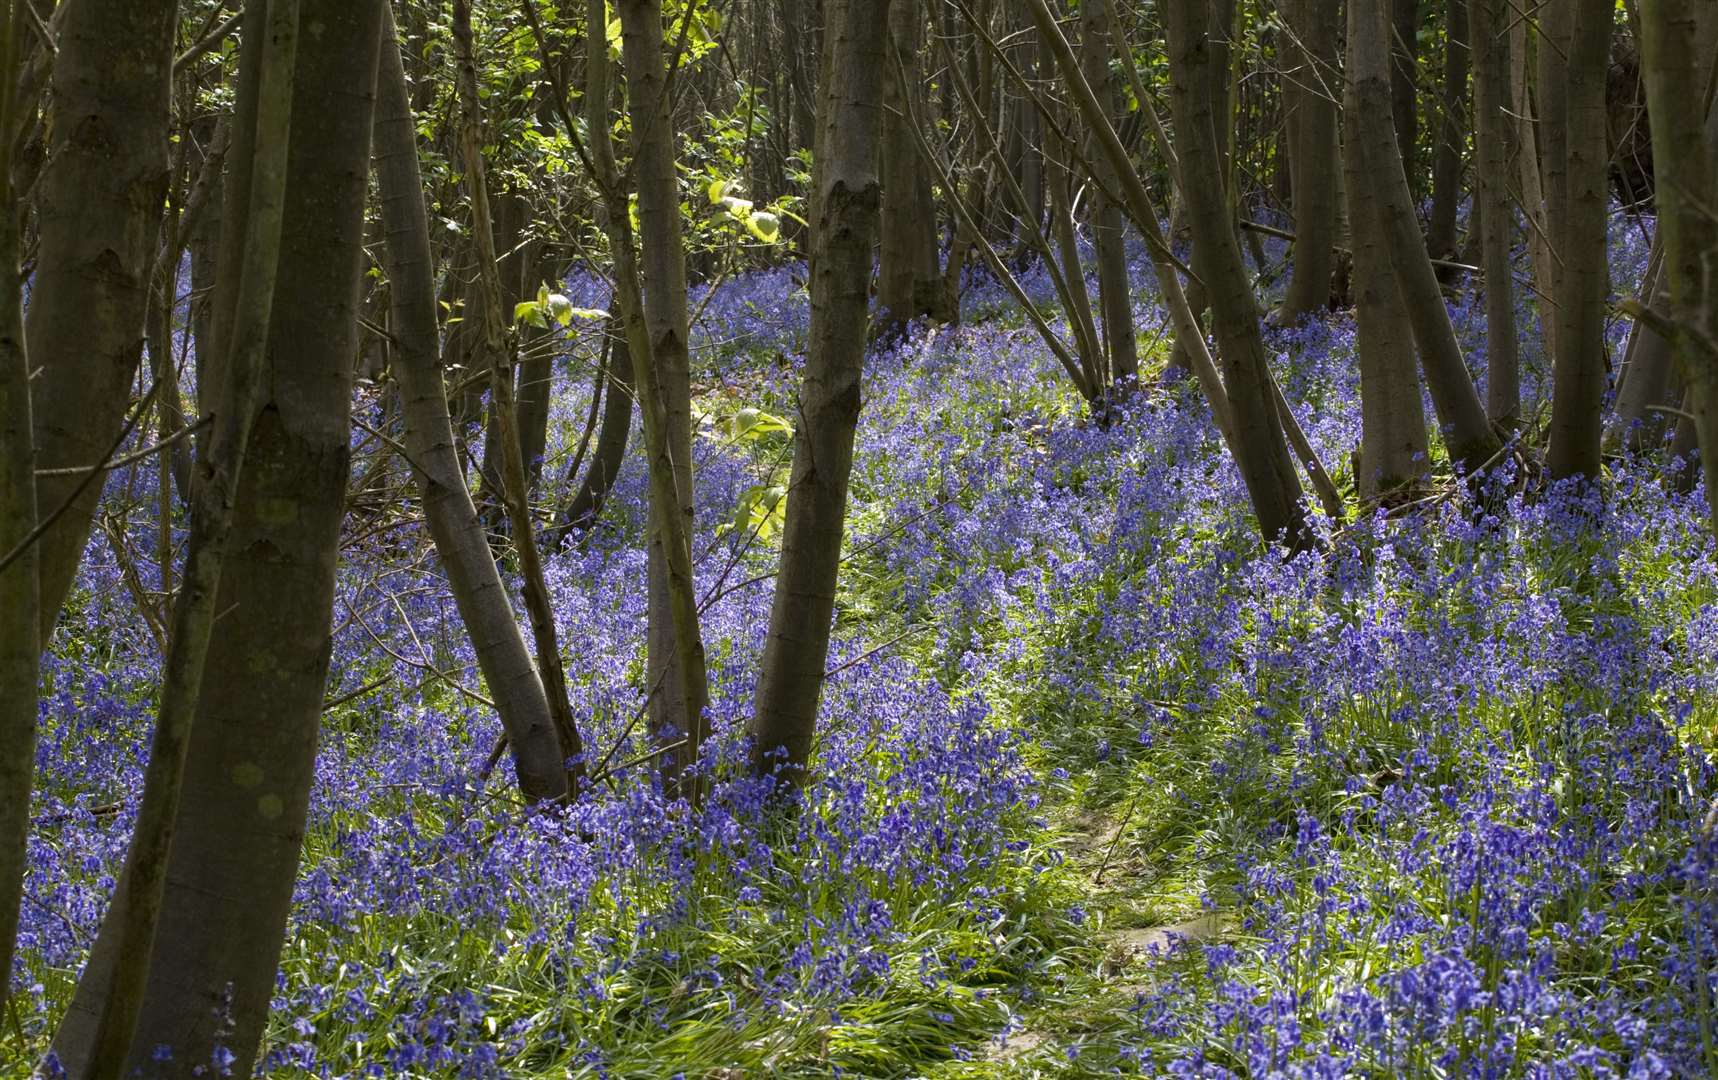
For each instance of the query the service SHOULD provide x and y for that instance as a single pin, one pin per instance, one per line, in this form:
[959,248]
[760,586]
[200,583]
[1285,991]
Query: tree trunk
[1521,45]
[1115,294]
[20,639]
[509,221]
[675,667]
[483,604]
[1683,167]
[845,222]
[1467,432]
[1577,423]
[236,845]
[1393,452]
[612,436]
[1260,447]
[1215,82]
[1451,134]
[908,278]
[128,1004]
[1311,88]
[98,209]
[1404,49]
[1488,23]
[513,487]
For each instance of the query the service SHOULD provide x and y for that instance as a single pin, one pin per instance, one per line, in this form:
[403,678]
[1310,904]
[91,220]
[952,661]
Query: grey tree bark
[651,294]
[484,607]
[1115,297]
[20,639]
[1403,43]
[1260,447]
[98,208]
[513,485]
[1467,431]
[1684,168]
[1311,87]
[846,193]
[127,1004]
[1579,376]
[1488,24]
[1452,128]
[909,280]
[1393,458]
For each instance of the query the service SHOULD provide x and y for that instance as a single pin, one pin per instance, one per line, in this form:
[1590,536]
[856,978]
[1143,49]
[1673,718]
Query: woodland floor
[1104,786]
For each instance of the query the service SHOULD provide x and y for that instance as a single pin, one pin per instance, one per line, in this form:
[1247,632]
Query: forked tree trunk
[98,210]
[1488,26]
[236,845]
[1577,426]
[1522,44]
[1392,460]
[1684,167]
[1467,431]
[1260,446]
[127,1004]
[651,295]
[844,226]
[1312,85]
[478,592]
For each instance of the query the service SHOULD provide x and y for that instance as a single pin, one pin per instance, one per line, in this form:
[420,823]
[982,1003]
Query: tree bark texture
[98,209]
[484,607]
[846,187]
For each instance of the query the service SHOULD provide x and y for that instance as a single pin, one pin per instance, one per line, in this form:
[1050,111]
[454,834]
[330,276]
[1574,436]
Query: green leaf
[750,423]
[530,311]
[765,226]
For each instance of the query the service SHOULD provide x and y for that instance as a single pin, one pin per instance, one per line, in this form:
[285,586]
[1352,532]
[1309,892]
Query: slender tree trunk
[1215,81]
[482,599]
[1115,295]
[1452,131]
[1488,23]
[1393,452]
[20,642]
[1260,446]
[1553,39]
[98,207]
[612,436]
[509,213]
[1312,85]
[204,242]
[119,1006]
[236,844]
[661,359]
[908,278]
[497,347]
[1684,170]
[845,188]
[1577,423]
[1076,300]
[1522,43]
[1467,432]
[1404,48]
